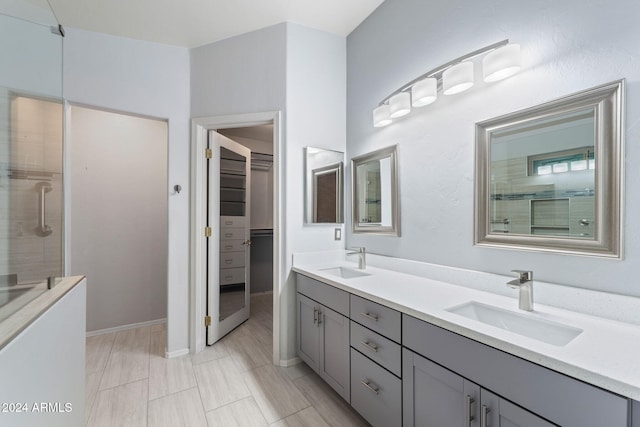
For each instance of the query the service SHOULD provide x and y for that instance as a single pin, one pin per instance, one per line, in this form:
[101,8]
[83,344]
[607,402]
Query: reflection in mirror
[324,184]
[548,178]
[375,203]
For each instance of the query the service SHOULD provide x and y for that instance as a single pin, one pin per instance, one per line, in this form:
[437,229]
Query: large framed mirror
[374,193]
[324,183]
[550,178]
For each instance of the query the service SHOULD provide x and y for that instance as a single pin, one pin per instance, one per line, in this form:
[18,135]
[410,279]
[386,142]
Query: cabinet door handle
[315,316]
[370,346]
[484,416]
[319,317]
[469,415]
[368,385]
[370,316]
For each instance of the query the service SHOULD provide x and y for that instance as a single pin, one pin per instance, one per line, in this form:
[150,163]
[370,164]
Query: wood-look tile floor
[232,383]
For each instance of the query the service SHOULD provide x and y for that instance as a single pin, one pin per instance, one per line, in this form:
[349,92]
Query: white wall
[566,47]
[152,80]
[45,363]
[117,176]
[300,72]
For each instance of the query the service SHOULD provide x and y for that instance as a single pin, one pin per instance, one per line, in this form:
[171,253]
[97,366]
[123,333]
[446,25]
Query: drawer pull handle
[228,247]
[469,416]
[228,234]
[483,417]
[370,346]
[315,316]
[228,261]
[228,277]
[368,385]
[370,316]
[228,223]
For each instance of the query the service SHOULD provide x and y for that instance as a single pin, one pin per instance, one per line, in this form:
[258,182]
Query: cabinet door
[308,332]
[334,351]
[500,412]
[435,396]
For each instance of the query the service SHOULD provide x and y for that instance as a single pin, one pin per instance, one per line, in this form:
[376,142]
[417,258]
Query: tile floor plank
[129,359]
[220,383]
[98,351]
[182,409]
[274,392]
[122,406]
[308,417]
[243,413]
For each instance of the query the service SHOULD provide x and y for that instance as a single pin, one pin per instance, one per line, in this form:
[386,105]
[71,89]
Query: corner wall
[149,79]
[566,47]
[300,72]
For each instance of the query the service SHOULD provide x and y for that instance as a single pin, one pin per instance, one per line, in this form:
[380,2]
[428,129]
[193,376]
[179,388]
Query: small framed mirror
[549,178]
[375,192]
[324,186]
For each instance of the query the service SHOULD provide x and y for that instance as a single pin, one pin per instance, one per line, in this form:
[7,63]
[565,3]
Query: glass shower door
[31,199]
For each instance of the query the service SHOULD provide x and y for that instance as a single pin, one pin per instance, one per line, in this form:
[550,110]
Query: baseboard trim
[126,327]
[176,353]
[285,363]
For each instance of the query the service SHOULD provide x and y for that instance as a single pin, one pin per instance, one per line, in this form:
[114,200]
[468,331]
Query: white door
[228,205]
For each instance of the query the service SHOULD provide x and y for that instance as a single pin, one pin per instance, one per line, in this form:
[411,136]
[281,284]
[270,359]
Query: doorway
[201,243]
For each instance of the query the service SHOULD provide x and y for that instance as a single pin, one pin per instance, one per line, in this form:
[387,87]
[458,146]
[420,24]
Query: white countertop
[605,354]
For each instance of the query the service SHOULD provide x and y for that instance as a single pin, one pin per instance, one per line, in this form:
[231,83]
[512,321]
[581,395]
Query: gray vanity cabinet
[376,374]
[435,396]
[323,332]
[524,388]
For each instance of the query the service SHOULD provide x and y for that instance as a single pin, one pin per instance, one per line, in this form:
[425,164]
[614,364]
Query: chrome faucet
[362,257]
[525,283]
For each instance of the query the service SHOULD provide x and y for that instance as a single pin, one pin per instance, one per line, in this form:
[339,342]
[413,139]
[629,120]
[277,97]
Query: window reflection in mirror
[549,178]
[543,177]
[375,202]
[324,186]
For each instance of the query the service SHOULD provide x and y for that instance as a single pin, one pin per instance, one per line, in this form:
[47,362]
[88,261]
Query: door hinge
[207,321]
[207,232]
[208,153]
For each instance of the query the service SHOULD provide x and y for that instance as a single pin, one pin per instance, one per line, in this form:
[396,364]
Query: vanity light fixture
[382,116]
[458,78]
[501,60]
[399,105]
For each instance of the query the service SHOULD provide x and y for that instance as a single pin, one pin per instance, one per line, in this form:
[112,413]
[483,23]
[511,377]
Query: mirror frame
[387,230]
[607,103]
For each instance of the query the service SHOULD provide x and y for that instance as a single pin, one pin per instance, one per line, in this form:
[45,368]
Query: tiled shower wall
[30,153]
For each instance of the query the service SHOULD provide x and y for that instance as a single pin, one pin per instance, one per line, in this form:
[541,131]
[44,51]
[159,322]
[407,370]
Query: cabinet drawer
[334,298]
[560,399]
[232,246]
[377,348]
[375,393]
[231,233]
[232,222]
[232,259]
[229,276]
[376,317]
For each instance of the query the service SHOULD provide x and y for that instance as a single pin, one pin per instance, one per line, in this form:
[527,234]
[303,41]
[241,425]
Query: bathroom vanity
[405,350]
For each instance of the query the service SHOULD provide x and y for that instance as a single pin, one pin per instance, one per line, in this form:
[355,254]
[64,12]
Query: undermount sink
[540,329]
[345,272]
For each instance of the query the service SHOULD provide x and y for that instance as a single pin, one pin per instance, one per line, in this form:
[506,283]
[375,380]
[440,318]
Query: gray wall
[566,47]
[117,177]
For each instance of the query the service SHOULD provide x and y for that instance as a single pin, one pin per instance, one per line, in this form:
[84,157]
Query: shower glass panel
[31,128]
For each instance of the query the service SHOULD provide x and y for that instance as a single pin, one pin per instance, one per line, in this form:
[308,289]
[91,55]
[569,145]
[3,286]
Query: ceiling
[191,23]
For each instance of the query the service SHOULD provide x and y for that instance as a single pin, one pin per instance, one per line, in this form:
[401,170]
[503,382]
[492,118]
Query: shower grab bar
[43,230]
